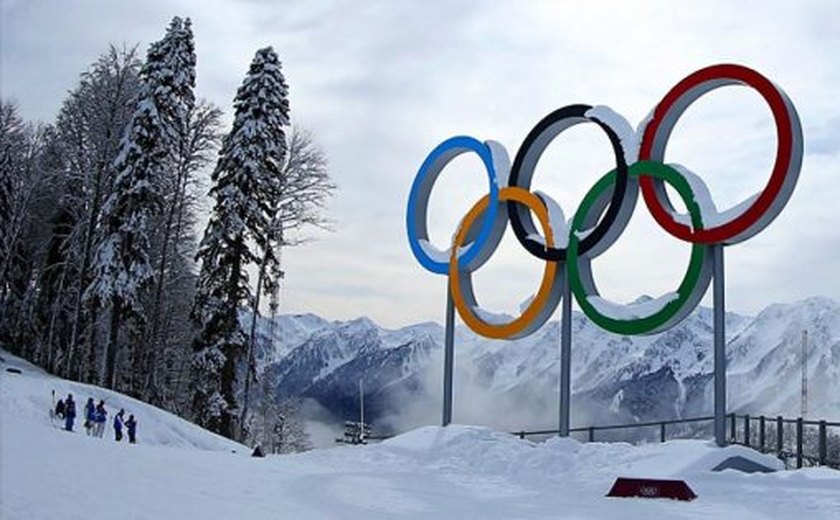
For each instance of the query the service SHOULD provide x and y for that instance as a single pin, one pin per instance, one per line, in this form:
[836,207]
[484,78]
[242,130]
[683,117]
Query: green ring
[699,265]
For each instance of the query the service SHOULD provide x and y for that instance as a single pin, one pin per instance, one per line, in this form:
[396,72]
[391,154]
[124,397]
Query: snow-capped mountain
[766,361]
[614,378]
[276,338]
[328,364]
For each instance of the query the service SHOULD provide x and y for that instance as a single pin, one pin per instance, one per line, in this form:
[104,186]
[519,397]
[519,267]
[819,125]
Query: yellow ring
[505,330]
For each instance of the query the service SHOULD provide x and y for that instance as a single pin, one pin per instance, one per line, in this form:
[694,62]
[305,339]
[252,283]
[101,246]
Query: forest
[107,275]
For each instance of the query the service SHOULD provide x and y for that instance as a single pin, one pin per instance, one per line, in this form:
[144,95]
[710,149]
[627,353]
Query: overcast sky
[382,83]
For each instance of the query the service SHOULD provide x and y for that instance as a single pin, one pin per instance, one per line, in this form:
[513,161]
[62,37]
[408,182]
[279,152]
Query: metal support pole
[719,344]
[747,430]
[823,444]
[780,435]
[732,433]
[448,358]
[799,442]
[662,432]
[565,361]
[761,434]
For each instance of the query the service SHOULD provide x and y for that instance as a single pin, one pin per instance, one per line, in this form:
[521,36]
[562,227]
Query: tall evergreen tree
[238,235]
[123,267]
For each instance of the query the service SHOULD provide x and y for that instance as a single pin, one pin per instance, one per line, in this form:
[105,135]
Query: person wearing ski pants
[69,412]
[100,416]
[90,416]
[118,425]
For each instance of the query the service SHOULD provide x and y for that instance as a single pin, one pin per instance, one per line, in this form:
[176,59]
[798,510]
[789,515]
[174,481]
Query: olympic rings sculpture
[569,247]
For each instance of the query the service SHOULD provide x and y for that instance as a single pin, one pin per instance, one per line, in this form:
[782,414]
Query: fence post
[522,435]
[732,427]
[761,433]
[823,444]
[747,430]
[662,432]
[799,442]
[591,434]
[780,435]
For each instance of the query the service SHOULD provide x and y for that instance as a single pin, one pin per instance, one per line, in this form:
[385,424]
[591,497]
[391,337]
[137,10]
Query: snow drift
[181,471]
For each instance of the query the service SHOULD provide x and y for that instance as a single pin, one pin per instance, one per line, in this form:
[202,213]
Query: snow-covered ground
[182,472]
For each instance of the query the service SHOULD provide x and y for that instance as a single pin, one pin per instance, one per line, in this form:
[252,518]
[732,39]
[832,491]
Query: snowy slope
[459,472]
[27,398]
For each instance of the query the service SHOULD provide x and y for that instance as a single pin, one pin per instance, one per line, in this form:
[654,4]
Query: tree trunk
[87,369]
[149,355]
[56,309]
[84,278]
[251,369]
[229,419]
[111,348]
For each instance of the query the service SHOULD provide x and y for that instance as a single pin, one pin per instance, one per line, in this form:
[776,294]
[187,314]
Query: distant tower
[361,411]
[804,360]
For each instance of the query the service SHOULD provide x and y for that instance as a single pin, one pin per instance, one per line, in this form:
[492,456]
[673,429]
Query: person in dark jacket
[90,415]
[100,417]
[118,424]
[69,412]
[131,427]
[59,409]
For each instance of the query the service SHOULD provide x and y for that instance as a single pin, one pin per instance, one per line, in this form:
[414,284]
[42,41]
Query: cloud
[381,83]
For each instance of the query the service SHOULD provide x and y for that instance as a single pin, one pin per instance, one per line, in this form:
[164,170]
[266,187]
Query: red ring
[739,228]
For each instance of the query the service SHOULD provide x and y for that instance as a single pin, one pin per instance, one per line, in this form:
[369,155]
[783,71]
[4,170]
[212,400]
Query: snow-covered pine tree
[186,151]
[122,266]
[246,183]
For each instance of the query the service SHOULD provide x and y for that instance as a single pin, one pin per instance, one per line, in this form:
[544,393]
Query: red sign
[651,488]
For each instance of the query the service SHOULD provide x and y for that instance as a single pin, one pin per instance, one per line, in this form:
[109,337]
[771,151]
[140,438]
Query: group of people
[95,418]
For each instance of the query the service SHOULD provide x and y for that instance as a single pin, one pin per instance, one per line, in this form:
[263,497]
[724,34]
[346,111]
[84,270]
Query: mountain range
[514,384]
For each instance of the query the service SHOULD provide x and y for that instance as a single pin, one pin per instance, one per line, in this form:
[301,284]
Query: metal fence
[800,442]
[797,442]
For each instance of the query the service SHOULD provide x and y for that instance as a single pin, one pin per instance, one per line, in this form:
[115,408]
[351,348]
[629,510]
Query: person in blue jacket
[69,412]
[118,424]
[100,417]
[90,415]
[131,426]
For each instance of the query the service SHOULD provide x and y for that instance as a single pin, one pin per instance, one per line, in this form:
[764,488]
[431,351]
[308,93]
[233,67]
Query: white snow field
[180,471]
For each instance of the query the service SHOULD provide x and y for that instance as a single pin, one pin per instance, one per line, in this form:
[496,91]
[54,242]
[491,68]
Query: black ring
[520,218]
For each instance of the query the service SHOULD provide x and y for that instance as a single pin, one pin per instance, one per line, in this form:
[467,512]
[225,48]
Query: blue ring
[445,152]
